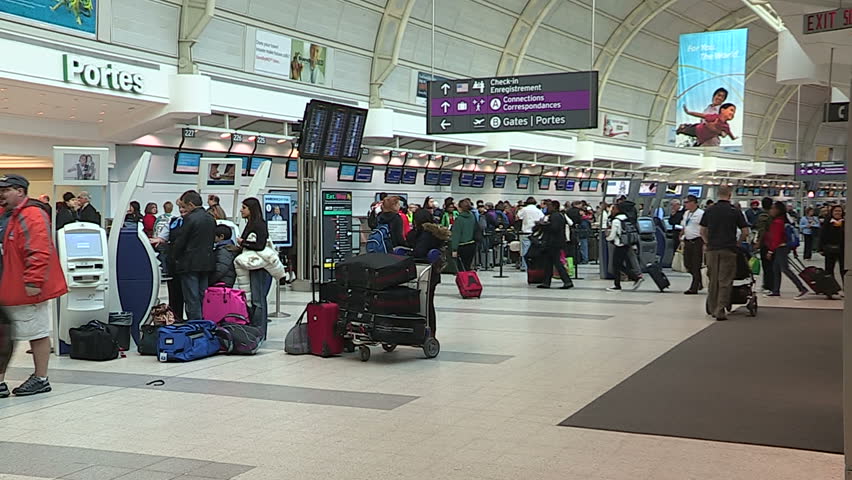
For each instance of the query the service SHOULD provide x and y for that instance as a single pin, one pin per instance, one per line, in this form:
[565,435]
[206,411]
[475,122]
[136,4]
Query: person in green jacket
[463,239]
[450,215]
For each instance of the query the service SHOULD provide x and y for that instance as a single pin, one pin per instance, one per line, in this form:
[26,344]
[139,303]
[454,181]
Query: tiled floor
[516,363]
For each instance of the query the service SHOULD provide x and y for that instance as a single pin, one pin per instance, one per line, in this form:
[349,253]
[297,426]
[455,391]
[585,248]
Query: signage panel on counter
[558,101]
[336,230]
[837,112]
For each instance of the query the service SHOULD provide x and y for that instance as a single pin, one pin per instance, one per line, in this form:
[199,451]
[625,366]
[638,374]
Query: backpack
[239,339]
[379,239]
[629,235]
[372,219]
[792,234]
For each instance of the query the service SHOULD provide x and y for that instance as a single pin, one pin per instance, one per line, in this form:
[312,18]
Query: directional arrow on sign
[445,88]
[445,124]
[445,106]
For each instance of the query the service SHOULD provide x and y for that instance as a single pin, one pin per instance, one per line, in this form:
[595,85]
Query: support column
[847,338]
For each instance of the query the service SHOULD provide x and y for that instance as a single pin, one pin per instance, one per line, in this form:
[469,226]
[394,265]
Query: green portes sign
[75,70]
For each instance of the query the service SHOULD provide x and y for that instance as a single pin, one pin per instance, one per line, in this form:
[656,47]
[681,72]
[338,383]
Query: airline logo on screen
[75,70]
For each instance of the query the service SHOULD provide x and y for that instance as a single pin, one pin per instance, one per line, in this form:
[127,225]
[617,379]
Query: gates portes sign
[828,21]
[558,101]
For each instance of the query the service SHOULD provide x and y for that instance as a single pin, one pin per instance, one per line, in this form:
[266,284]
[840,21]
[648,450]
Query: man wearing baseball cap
[31,277]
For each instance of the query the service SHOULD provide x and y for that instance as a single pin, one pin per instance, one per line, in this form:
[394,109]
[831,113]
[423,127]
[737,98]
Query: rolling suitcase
[391,300]
[468,283]
[816,278]
[535,275]
[323,336]
[376,271]
[660,278]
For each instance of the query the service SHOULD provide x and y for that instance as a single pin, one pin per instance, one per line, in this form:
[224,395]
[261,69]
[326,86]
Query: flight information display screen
[432,177]
[465,179]
[332,131]
[393,175]
[446,179]
[499,181]
[478,180]
[409,176]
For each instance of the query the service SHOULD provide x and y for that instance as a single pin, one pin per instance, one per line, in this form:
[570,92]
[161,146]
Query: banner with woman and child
[711,88]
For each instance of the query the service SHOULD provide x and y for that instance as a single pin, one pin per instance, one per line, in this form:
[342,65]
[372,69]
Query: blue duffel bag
[188,341]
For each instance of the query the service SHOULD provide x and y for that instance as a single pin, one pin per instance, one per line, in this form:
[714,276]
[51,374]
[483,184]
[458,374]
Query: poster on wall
[711,88]
[422,92]
[780,149]
[823,154]
[278,210]
[82,166]
[78,16]
[309,62]
[616,127]
[223,174]
[286,57]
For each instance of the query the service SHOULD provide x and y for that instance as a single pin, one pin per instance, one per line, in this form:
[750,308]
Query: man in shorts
[31,277]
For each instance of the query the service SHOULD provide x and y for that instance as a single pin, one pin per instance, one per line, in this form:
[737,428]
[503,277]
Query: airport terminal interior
[424,239]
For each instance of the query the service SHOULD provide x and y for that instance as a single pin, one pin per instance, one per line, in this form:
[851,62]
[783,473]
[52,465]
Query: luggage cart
[359,333]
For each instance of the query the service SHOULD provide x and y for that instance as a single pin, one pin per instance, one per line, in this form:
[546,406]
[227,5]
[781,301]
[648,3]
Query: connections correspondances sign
[821,171]
[558,101]
[76,70]
[75,15]
[827,21]
[712,75]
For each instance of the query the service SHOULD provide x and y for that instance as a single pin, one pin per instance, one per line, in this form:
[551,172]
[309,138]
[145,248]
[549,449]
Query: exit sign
[828,21]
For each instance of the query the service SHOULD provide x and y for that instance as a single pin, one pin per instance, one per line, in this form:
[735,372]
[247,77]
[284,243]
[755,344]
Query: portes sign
[75,70]
[828,21]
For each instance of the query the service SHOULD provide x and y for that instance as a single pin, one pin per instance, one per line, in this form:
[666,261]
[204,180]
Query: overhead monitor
[499,181]
[246,162]
[561,183]
[84,245]
[432,177]
[332,131]
[466,179]
[617,188]
[696,190]
[569,185]
[255,164]
[292,168]
[446,178]
[187,162]
[584,185]
[648,189]
[409,176]
[364,174]
[393,175]
[523,182]
[346,172]
[478,180]
[742,191]
[674,190]
[594,185]
[544,183]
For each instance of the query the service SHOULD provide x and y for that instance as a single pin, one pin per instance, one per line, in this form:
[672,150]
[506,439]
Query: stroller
[743,290]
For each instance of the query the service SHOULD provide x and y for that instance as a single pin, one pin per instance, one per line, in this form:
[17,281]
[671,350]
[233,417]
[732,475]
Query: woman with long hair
[149,219]
[134,213]
[778,251]
[255,237]
[832,241]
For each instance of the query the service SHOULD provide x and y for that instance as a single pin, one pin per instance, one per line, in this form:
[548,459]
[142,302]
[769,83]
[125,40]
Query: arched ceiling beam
[624,34]
[521,35]
[773,112]
[388,44]
[668,87]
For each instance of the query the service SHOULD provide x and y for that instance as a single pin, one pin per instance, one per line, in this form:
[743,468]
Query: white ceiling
[818,45]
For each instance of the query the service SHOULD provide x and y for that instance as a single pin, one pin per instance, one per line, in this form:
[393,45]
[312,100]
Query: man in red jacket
[31,277]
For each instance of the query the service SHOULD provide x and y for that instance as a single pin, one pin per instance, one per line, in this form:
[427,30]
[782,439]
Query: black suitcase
[393,329]
[391,300]
[818,279]
[660,278]
[333,292]
[375,271]
[93,341]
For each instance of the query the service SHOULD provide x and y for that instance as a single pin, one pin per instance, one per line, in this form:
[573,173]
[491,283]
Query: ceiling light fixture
[224,135]
[252,138]
[281,140]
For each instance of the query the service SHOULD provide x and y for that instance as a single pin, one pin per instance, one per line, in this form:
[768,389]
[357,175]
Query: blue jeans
[584,250]
[193,285]
[525,247]
[780,264]
[260,284]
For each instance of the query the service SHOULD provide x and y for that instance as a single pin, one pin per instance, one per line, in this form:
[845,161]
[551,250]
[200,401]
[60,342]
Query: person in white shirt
[528,215]
[620,252]
[693,244]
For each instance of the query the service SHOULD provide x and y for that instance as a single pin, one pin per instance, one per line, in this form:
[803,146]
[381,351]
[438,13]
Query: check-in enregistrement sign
[558,101]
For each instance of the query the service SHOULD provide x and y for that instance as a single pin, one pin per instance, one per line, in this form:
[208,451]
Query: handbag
[678,263]
[754,263]
[296,342]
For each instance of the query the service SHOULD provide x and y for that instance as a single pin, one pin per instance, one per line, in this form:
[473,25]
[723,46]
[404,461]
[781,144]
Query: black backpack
[629,233]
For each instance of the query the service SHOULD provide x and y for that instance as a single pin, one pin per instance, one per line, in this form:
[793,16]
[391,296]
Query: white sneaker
[613,289]
[637,283]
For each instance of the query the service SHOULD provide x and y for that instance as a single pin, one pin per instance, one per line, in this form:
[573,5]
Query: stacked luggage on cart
[384,301]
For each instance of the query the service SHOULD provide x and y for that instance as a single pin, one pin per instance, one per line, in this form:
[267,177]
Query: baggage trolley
[358,334]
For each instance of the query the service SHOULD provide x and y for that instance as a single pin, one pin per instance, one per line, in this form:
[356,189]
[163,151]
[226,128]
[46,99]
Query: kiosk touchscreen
[82,249]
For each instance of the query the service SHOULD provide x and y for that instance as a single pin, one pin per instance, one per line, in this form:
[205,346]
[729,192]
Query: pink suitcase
[323,336]
[469,284]
[221,303]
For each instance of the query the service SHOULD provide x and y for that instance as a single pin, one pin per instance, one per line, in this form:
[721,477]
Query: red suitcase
[468,283]
[323,335]
[535,275]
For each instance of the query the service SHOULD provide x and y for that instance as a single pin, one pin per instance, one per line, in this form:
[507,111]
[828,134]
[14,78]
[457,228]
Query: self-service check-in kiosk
[82,249]
[137,275]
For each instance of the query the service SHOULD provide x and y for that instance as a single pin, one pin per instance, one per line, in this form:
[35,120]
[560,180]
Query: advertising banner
[285,57]
[614,126]
[76,15]
[711,88]
[309,62]
[278,210]
[423,80]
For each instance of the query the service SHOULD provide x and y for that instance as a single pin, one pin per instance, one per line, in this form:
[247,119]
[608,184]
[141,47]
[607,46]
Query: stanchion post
[502,248]
[278,315]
